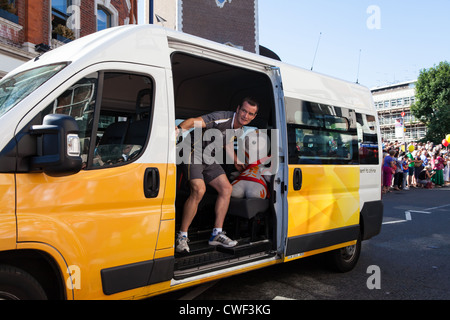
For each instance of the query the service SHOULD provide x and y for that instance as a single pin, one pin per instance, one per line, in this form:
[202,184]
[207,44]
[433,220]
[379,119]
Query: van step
[204,255]
[247,248]
[202,259]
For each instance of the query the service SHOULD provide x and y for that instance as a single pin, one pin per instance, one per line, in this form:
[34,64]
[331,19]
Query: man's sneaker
[222,240]
[181,244]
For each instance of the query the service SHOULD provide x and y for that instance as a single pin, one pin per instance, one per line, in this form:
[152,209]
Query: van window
[118,123]
[14,89]
[367,139]
[320,134]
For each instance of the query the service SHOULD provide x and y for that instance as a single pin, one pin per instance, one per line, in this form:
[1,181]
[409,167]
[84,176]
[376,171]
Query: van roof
[152,45]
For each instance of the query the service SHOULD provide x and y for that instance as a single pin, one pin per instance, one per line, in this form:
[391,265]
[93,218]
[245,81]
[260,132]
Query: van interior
[202,86]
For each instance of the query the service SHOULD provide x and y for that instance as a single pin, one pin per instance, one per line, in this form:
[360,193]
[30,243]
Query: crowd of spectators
[414,165]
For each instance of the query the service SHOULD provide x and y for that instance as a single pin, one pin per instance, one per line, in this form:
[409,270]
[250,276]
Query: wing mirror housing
[58,146]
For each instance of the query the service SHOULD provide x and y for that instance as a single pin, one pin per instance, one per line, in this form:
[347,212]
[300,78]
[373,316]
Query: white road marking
[447,205]
[408,216]
[395,221]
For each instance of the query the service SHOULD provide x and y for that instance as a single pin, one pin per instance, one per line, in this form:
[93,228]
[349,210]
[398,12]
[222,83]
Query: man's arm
[191,123]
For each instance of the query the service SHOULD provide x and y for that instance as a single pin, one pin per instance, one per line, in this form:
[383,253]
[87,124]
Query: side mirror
[58,146]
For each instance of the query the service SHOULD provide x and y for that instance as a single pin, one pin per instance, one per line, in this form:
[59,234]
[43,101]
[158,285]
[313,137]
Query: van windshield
[14,89]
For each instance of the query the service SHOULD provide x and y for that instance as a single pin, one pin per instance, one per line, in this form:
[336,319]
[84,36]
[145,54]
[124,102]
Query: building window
[103,18]
[60,31]
[9,11]
[60,6]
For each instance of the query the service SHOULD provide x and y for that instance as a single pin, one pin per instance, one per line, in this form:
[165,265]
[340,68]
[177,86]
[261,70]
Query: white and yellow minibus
[79,221]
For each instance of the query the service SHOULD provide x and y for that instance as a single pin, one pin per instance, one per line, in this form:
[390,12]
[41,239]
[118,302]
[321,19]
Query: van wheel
[345,259]
[16,284]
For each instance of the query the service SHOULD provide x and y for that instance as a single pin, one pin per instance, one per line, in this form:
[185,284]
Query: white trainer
[182,244]
[222,240]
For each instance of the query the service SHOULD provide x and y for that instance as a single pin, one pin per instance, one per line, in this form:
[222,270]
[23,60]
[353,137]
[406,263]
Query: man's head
[246,112]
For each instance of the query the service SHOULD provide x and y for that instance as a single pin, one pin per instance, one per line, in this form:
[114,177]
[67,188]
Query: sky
[377,42]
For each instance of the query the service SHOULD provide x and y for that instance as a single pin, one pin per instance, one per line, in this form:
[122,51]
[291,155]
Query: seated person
[424,178]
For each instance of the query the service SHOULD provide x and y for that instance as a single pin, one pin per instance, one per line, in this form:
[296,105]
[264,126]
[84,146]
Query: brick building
[29,27]
[232,22]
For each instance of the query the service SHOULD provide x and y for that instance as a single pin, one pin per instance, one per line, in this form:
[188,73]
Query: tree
[432,105]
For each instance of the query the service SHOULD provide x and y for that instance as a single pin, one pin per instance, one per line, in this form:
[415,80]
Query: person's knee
[198,191]
[226,190]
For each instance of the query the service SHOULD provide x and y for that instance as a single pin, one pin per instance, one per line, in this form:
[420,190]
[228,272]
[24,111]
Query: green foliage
[432,105]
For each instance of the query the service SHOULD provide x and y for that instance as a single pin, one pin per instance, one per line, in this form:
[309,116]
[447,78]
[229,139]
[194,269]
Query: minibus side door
[323,193]
[279,165]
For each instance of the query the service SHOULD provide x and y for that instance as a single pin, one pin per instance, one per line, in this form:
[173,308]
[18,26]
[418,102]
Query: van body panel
[328,202]
[96,219]
[7,214]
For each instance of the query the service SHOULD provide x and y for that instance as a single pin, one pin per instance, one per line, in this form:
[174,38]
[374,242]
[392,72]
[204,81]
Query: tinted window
[118,124]
[367,139]
[320,134]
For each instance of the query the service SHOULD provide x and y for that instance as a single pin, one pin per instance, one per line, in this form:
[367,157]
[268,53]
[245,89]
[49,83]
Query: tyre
[345,259]
[16,284]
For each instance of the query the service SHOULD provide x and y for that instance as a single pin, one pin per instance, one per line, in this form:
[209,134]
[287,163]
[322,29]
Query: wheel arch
[41,266]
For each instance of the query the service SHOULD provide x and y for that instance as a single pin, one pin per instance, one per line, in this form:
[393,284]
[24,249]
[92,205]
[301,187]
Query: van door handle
[298,179]
[151,183]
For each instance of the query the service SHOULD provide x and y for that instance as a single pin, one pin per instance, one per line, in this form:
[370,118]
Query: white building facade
[393,104]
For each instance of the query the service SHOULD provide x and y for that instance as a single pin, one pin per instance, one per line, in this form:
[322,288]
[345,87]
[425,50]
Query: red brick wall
[35,15]
[88,20]
[121,7]
[234,23]
[36,21]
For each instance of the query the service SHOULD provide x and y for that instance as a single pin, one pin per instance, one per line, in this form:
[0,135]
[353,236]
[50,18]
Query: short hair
[251,101]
